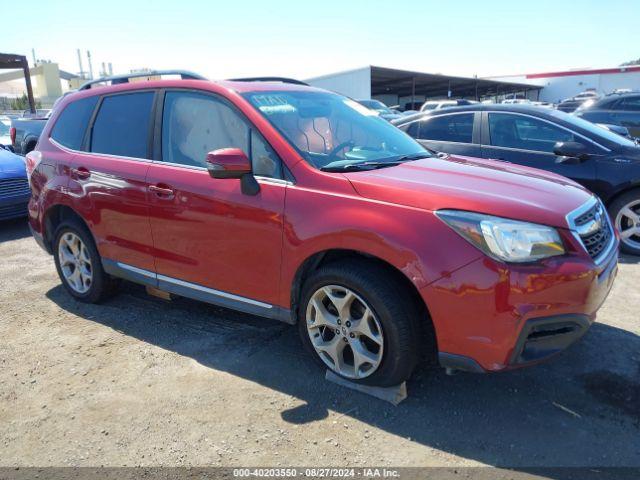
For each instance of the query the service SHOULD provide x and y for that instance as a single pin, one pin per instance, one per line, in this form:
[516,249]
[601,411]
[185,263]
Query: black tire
[395,309]
[615,207]
[30,147]
[102,284]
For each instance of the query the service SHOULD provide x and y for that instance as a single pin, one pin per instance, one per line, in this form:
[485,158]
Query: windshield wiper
[371,165]
[354,167]
[414,156]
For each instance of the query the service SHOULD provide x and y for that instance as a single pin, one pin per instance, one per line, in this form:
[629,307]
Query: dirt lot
[138,381]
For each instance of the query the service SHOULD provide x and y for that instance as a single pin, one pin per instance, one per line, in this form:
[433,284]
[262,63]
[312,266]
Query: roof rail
[116,79]
[269,79]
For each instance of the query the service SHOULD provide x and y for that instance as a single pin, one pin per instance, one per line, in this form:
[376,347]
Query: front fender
[412,240]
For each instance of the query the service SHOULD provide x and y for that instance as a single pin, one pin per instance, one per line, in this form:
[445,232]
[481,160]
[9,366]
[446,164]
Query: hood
[477,185]
[11,165]
[632,153]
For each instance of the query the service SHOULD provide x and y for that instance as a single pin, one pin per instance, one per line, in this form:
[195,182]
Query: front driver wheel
[625,212]
[357,320]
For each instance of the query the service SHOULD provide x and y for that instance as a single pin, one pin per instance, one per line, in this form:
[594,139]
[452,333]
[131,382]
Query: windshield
[592,128]
[330,130]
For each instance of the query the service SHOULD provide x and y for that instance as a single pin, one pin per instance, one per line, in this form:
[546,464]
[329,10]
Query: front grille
[13,187]
[596,242]
[13,211]
[594,229]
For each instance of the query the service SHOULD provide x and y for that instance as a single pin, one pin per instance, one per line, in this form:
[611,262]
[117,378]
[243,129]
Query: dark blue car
[604,162]
[14,187]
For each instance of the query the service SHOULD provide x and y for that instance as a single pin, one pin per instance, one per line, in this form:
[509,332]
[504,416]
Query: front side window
[264,159]
[122,125]
[595,132]
[72,123]
[526,133]
[194,124]
[448,128]
[629,103]
[331,131]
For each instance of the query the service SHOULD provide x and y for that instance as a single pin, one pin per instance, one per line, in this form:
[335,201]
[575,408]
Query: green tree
[22,103]
[632,62]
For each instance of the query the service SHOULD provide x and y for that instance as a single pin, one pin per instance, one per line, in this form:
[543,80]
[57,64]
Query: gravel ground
[141,381]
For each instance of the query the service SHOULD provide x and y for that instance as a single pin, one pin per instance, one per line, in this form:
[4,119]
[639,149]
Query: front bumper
[490,316]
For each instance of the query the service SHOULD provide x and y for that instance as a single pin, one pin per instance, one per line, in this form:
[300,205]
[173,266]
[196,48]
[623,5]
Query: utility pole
[33,54]
[90,66]
[81,72]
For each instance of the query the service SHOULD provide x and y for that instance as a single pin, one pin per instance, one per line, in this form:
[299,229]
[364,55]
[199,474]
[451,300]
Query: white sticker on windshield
[273,103]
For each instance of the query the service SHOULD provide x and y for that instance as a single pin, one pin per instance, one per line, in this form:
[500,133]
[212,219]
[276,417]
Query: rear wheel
[359,322]
[30,147]
[625,211]
[79,265]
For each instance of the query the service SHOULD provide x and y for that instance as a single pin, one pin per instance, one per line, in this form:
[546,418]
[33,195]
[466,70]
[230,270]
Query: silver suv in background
[440,104]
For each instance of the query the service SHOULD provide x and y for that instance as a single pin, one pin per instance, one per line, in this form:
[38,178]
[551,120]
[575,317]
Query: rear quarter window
[71,125]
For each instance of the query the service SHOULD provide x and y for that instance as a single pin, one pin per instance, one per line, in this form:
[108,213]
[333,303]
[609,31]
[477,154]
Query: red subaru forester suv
[298,204]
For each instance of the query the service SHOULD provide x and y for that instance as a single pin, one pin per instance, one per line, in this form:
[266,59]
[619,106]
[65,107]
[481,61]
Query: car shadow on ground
[581,409]
[13,229]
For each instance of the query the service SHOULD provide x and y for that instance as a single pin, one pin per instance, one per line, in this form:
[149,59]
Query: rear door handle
[81,173]
[164,192]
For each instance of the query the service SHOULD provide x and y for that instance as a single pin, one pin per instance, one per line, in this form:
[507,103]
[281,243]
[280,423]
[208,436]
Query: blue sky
[307,38]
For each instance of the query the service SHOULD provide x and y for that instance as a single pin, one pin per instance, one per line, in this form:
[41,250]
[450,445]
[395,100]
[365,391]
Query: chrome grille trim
[596,239]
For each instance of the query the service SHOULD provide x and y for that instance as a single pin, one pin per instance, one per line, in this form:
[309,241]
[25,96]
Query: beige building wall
[46,83]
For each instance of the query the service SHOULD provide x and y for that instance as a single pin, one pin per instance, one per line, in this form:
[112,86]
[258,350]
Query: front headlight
[504,239]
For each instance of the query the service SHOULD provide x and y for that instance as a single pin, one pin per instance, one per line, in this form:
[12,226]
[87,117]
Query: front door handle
[164,192]
[81,173]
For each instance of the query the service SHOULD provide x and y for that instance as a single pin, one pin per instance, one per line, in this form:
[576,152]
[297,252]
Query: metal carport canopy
[405,83]
[12,61]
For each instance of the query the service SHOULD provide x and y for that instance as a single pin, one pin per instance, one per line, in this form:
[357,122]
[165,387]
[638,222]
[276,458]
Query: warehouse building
[557,86]
[409,89]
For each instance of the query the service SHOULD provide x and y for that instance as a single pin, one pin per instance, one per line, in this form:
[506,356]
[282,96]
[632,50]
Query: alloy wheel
[344,331]
[75,262]
[628,224]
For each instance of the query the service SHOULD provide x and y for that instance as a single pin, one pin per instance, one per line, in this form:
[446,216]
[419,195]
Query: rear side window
[448,128]
[72,123]
[122,125]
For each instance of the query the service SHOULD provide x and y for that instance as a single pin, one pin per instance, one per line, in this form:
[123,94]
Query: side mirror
[228,163]
[233,163]
[570,152]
